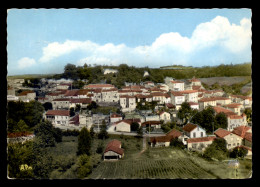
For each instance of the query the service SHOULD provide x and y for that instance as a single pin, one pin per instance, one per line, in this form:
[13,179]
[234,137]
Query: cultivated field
[168,163]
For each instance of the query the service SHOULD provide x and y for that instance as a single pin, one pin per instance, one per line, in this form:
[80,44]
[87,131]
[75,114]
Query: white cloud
[26,62]
[166,49]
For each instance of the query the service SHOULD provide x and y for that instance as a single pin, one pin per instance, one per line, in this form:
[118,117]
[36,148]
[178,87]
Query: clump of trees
[217,150]
[209,121]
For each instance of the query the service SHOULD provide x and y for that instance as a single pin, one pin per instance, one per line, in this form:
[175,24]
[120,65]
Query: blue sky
[44,40]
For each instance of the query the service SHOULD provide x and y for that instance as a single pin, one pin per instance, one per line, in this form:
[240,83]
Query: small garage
[113,151]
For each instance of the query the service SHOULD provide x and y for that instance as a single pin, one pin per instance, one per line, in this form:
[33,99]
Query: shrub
[238,152]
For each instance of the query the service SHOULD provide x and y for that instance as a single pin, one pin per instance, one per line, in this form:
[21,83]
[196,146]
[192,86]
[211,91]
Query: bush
[100,148]
[238,152]
[177,143]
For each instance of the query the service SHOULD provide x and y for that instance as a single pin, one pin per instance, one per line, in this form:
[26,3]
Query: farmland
[167,163]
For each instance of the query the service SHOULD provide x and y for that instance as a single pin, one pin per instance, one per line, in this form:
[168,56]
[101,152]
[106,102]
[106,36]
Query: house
[249,150]
[148,84]
[146,73]
[222,100]
[152,117]
[107,71]
[128,103]
[12,98]
[115,118]
[170,106]
[61,103]
[235,107]
[160,97]
[83,102]
[204,102]
[234,120]
[232,139]
[177,99]
[244,132]
[27,96]
[175,85]
[59,118]
[143,98]
[110,95]
[194,131]
[153,124]
[113,151]
[244,100]
[200,144]
[190,95]
[125,125]
[194,105]
[195,82]
[63,86]
[99,86]
[164,141]
[165,116]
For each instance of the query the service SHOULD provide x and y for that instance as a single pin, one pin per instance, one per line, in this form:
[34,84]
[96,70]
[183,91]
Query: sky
[43,41]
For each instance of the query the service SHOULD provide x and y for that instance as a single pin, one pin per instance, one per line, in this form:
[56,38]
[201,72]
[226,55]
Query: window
[194,135]
[201,134]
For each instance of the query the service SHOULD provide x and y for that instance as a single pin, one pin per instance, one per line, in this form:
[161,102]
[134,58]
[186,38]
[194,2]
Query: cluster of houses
[168,95]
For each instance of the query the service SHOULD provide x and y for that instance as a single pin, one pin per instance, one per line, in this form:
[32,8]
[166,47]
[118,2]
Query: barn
[113,151]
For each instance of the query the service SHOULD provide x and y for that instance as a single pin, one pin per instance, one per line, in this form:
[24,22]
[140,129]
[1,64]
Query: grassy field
[154,163]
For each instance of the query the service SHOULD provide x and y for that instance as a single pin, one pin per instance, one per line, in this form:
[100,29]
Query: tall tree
[70,72]
[84,142]
[185,112]
[221,121]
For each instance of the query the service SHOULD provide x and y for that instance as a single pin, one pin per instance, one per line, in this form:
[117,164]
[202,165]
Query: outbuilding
[113,151]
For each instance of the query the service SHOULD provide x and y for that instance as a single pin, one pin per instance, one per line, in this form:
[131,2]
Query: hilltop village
[149,105]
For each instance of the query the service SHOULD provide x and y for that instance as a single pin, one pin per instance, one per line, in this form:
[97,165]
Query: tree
[217,150]
[57,134]
[70,72]
[103,134]
[92,132]
[248,112]
[85,167]
[238,152]
[175,142]
[47,106]
[100,148]
[78,107]
[92,105]
[140,131]
[221,121]
[134,126]
[184,112]
[84,142]
[72,112]
[44,134]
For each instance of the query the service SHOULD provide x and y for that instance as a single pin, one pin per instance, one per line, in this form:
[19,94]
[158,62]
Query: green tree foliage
[21,126]
[238,152]
[85,166]
[70,72]
[44,134]
[140,131]
[175,142]
[18,156]
[57,134]
[31,113]
[221,121]
[206,119]
[77,84]
[68,132]
[92,132]
[217,150]
[84,142]
[72,111]
[248,112]
[103,134]
[100,148]
[92,105]
[185,112]
[134,126]
[78,107]
[47,106]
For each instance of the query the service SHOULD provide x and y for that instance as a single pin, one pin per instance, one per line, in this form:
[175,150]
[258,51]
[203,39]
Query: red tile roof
[241,130]
[126,96]
[188,91]
[75,120]
[221,133]
[248,136]
[114,146]
[189,127]
[115,115]
[150,123]
[62,99]
[235,117]
[224,110]
[170,105]
[23,93]
[202,139]
[234,105]
[174,133]
[206,99]
[176,93]
[58,112]
[81,100]
[18,134]
[141,96]
[175,81]
[196,87]
[99,86]
[71,93]
[193,103]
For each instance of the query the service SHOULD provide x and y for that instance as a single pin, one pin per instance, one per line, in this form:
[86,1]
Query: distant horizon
[129,66]
[43,41]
